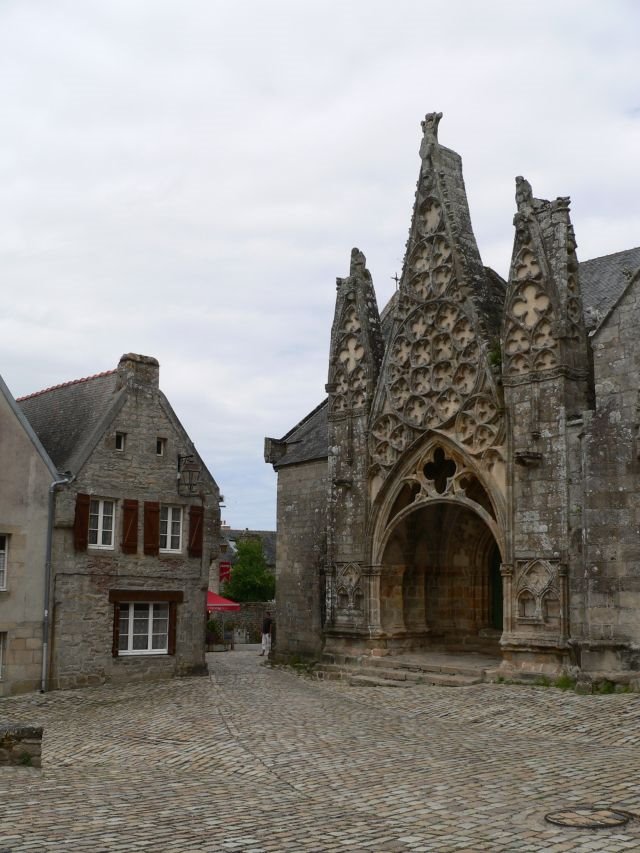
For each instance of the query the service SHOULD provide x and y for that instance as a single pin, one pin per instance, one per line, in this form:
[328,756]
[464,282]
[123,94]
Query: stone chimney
[139,370]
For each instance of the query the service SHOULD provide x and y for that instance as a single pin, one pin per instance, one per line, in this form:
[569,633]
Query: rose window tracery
[436,363]
[433,378]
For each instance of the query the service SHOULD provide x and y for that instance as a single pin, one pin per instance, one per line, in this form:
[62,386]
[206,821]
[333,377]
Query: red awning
[217,602]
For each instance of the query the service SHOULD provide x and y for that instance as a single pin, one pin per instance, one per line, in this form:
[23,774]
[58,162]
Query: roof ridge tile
[66,384]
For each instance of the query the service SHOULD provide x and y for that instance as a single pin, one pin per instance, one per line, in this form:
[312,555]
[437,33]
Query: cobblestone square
[258,759]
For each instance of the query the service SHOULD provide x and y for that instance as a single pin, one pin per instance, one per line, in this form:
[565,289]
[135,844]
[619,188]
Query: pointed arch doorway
[440,581]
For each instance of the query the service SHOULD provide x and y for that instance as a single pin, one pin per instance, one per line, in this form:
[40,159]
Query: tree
[250,579]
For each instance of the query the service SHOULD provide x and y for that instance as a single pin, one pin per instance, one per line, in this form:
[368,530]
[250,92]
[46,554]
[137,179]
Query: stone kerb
[20,745]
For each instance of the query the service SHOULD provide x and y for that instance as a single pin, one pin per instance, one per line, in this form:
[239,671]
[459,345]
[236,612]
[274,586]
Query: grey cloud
[187,180]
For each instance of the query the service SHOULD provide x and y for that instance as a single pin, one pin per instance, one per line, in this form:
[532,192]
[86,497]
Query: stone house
[221,569]
[26,477]
[471,481]
[134,530]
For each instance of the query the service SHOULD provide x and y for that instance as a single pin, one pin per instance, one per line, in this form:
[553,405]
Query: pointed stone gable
[356,341]
[544,326]
[436,373]
[354,364]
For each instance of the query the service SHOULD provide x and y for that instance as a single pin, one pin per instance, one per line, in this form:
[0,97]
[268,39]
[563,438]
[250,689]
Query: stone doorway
[440,584]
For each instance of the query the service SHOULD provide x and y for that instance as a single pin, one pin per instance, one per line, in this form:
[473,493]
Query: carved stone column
[329,596]
[506,570]
[371,577]
[563,584]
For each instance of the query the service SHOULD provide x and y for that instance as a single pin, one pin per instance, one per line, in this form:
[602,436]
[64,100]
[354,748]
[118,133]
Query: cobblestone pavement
[257,759]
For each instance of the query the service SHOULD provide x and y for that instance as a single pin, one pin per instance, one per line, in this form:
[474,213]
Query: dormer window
[121,440]
[161,444]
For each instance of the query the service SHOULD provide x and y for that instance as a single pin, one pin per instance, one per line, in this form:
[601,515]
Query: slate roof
[65,416]
[267,537]
[26,426]
[602,282]
[308,439]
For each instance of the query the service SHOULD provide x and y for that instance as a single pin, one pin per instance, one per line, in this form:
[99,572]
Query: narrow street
[255,758]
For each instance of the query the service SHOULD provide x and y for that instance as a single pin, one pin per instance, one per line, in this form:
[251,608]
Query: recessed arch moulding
[436,537]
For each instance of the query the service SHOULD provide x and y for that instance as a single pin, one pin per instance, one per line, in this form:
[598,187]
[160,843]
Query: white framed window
[170,528]
[161,444]
[4,553]
[143,628]
[101,523]
[3,651]
[121,440]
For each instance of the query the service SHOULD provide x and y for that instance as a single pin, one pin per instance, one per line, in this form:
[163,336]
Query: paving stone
[260,759]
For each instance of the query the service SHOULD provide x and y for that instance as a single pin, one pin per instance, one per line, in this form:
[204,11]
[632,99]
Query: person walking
[267,628]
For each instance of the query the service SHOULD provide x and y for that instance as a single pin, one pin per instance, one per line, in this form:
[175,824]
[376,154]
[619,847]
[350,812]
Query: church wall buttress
[546,381]
[356,352]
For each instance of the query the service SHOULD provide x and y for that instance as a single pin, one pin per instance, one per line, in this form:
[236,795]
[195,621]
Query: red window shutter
[129,527]
[171,642]
[151,528]
[196,516]
[116,630]
[81,523]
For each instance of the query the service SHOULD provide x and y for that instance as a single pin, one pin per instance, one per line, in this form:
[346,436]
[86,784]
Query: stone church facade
[471,480]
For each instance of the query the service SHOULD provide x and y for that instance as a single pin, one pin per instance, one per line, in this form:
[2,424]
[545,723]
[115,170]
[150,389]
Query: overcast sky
[186,179]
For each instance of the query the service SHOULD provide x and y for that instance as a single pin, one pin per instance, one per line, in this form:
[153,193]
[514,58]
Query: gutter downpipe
[46,621]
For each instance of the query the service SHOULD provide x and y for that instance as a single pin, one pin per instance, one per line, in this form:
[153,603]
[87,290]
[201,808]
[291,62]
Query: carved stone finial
[430,125]
[524,194]
[358,262]
[430,131]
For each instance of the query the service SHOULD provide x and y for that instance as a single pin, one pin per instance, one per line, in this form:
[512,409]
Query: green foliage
[214,630]
[250,579]
[605,687]
[495,354]
[302,666]
[565,682]
[25,759]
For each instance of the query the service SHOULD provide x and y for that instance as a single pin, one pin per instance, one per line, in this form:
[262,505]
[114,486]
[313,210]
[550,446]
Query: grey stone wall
[24,483]
[83,615]
[302,502]
[607,597]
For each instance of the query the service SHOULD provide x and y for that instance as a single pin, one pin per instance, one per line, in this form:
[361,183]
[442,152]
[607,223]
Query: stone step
[371,681]
[438,679]
[431,678]
[392,674]
[470,669]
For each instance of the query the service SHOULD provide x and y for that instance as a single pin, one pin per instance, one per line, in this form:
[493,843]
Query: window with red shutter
[196,517]
[151,528]
[81,523]
[129,527]
[144,621]
[173,619]
[116,629]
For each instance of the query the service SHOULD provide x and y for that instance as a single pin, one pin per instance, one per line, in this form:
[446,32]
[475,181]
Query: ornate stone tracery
[538,593]
[349,595]
[349,376]
[436,373]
